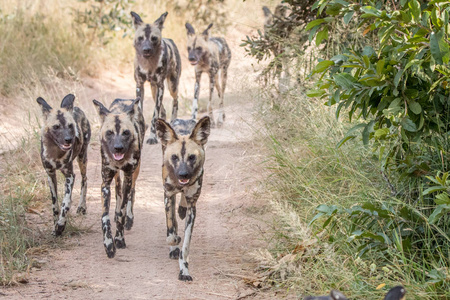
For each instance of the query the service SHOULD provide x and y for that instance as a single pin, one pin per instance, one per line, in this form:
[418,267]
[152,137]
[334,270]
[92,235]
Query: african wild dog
[182,172]
[156,59]
[65,136]
[121,136]
[211,55]
[395,293]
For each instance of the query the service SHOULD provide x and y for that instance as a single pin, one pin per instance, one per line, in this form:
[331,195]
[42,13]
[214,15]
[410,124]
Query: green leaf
[442,198]
[321,35]
[409,125]
[344,80]
[439,48]
[322,66]
[314,23]
[382,132]
[315,93]
[348,16]
[380,67]
[434,189]
[414,5]
[438,212]
[366,132]
[344,140]
[415,107]
[371,11]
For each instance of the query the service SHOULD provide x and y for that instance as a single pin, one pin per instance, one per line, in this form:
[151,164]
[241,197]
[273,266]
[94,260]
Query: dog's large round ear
[165,132]
[160,21]
[137,21]
[201,131]
[190,30]
[206,32]
[46,109]
[101,109]
[67,102]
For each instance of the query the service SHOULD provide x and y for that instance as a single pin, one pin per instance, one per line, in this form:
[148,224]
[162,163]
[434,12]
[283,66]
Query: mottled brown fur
[213,56]
[157,59]
[121,137]
[65,136]
[182,172]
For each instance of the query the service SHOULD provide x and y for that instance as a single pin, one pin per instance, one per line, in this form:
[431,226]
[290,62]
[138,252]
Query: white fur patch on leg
[173,239]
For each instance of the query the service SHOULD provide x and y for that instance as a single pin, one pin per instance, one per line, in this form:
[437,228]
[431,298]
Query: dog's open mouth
[193,62]
[118,156]
[183,181]
[66,147]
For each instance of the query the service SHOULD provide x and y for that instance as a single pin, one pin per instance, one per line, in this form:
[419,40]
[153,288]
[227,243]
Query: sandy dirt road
[225,232]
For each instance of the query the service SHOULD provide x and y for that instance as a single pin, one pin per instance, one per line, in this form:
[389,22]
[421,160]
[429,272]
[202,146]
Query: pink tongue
[184,181]
[118,156]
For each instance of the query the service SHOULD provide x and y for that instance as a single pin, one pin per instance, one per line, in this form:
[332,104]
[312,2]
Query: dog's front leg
[119,239]
[221,91]
[68,186]
[53,185]
[140,80]
[184,254]
[130,204]
[108,241]
[172,226]
[212,82]
[198,76]
[82,163]
[156,113]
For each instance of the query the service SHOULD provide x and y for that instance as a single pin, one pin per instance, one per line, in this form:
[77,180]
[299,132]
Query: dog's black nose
[183,174]
[68,140]
[192,58]
[118,148]
[146,49]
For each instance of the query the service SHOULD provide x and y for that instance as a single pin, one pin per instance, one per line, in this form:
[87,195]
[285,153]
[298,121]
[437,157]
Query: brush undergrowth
[21,188]
[307,169]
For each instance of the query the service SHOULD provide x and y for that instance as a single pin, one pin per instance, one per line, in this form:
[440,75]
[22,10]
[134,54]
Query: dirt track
[225,231]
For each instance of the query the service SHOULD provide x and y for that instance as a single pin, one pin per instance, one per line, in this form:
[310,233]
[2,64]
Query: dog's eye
[126,132]
[198,48]
[191,157]
[154,38]
[70,126]
[56,127]
[109,133]
[189,48]
[174,157]
[140,39]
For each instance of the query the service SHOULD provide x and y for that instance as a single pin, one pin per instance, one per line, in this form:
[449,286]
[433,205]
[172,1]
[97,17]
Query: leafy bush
[202,13]
[399,88]
[104,18]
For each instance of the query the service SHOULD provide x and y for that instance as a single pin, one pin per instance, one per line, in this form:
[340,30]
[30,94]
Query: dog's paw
[182,212]
[152,141]
[110,250]
[120,243]
[129,223]
[59,229]
[184,277]
[81,210]
[174,254]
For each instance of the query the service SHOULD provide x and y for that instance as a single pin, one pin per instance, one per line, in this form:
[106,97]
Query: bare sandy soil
[227,228]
